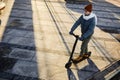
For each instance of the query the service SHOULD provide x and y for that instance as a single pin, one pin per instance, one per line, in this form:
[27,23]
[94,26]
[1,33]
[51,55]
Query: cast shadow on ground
[83,73]
[106,12]
[91,72]
[18,63]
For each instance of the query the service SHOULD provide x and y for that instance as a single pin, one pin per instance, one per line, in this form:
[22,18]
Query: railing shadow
[106,72]
[107,13]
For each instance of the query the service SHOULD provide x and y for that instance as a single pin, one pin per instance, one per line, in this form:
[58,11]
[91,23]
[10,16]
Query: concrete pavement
[37,33]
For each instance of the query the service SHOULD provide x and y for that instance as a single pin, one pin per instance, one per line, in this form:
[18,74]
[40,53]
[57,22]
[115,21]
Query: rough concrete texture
[38,33]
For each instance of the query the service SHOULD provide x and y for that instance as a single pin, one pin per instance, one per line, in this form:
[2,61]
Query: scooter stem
[73,49]
[76,36]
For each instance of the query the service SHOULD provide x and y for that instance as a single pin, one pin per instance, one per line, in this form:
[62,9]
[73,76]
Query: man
[88,22]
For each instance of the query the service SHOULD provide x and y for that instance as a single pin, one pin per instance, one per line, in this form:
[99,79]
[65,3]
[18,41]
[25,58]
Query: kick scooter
[69,63]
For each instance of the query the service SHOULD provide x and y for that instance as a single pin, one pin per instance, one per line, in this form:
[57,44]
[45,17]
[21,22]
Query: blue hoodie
[87,23]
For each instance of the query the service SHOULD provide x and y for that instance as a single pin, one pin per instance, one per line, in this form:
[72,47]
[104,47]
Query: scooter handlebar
[76,36]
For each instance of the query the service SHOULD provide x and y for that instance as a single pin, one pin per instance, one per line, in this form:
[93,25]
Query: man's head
[88,9]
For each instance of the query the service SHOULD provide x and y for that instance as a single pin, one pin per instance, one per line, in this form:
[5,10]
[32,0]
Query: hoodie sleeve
[95,20]
[90,30]
[76,24]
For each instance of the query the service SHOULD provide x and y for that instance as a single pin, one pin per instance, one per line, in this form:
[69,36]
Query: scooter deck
[75,62]
[83,58]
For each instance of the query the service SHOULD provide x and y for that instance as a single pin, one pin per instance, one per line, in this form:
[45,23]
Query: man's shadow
[83,73]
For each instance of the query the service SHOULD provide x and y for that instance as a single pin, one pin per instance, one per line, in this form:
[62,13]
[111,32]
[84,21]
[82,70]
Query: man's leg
[84,46]
[84,49]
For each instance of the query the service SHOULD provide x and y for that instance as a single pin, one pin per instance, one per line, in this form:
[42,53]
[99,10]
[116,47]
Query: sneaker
[76,60]
[87,55]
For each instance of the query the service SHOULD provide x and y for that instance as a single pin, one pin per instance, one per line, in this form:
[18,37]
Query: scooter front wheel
[67,65]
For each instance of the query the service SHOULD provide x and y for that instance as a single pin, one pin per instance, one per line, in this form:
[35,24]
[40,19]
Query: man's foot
[78,59]
[87,55]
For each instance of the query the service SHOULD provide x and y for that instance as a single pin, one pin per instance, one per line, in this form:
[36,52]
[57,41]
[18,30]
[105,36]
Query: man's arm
[77,23]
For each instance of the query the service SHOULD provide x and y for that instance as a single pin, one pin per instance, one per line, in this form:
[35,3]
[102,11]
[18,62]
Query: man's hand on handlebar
[80,38]
[71,33]
[77,36]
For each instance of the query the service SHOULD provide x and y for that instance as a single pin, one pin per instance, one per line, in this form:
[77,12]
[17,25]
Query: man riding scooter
[88,22]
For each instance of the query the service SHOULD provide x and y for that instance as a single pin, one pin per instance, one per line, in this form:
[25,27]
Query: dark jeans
[84,45]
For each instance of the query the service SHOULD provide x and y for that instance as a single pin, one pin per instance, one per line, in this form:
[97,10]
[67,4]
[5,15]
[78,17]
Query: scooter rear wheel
[67,65]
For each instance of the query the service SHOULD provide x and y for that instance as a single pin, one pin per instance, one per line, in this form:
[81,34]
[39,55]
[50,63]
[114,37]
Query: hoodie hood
[90,16]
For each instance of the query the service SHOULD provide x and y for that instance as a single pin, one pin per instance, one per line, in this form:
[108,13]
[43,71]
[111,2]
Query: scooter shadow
[71,75]
[83,73]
